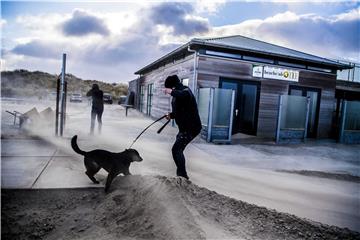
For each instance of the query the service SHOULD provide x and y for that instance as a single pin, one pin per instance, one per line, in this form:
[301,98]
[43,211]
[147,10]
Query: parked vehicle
[76,97]
[122,100]
[52,96]
[108,98]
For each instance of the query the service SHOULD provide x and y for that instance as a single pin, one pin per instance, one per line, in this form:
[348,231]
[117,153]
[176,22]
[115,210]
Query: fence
[216,106]
[350,122]
[293,117]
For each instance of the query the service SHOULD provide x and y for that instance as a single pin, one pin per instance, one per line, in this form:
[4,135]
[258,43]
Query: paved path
[29,163]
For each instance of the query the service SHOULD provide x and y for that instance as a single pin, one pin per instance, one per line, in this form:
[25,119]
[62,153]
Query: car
[52,96]
[122,99]
[76,97]
[107,98]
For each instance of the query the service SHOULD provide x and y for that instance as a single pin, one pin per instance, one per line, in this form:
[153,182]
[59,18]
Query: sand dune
[149,207]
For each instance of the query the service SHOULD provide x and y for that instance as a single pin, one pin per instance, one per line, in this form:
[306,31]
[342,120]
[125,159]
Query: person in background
[97,106]
[186,115]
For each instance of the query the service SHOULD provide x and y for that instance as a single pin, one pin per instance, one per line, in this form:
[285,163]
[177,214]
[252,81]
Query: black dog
[113,163]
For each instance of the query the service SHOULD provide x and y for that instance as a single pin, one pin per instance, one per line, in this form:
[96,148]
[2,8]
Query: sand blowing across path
[149,207]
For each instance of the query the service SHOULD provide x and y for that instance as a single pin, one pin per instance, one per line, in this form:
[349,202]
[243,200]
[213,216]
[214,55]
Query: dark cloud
[134,49]
[318,35]
[140,44]
[175,15]
[38,49]
[82,23]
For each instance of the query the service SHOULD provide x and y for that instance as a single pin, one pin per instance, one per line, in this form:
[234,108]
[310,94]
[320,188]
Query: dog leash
[160,129]
[150,126]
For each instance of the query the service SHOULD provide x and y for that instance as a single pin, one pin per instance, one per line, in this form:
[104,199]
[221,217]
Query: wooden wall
[210,69]
[161,103]
[327,84]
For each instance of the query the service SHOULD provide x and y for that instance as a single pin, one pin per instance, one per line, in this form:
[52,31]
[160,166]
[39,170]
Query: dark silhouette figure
[113,163]
[97,106]
[186,115]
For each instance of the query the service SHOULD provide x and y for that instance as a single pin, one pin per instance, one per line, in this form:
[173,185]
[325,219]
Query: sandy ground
[149,207]
[265,175]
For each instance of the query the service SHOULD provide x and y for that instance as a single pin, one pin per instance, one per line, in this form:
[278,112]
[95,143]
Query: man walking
[186,115]
[97,106]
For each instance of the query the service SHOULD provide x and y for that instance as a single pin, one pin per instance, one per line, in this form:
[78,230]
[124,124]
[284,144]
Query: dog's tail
[75,146]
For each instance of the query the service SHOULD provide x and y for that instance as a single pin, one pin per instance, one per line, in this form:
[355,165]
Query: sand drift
[149,207]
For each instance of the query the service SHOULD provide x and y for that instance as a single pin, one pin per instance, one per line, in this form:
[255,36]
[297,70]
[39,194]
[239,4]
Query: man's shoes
[184,176]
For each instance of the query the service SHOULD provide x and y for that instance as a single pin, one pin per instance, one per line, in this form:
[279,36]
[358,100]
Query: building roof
[250,45]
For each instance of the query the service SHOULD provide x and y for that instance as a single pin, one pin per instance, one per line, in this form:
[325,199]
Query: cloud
[137,38]
[82,23]
[209,6]
[334,36]
[133,39]
[179,16]
[3,22]
[39,49]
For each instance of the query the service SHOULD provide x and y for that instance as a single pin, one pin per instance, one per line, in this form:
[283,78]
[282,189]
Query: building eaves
[216,42]
[212,42]
[163,58]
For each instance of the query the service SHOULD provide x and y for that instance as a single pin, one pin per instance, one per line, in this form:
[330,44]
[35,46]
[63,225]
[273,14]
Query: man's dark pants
[96,113]
[182,140]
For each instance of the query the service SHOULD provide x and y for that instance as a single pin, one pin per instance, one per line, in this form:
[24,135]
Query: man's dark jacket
[185,111]
[97,99]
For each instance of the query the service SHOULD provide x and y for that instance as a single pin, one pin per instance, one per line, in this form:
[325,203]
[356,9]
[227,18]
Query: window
[296,65]
[258,59]
[223,54]
[319,69]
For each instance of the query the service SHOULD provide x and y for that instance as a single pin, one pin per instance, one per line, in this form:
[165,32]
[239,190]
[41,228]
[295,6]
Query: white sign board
[276,73]
[257,71]
[281,74]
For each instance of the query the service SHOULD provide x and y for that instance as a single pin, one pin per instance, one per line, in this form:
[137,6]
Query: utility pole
[61,98]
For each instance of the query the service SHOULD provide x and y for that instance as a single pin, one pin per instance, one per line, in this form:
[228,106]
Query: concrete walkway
[32,163]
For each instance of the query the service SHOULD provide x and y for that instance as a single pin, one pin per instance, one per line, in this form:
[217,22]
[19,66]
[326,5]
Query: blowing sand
[149,207]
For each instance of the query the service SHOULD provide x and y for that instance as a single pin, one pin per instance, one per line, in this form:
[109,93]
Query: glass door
[314,95]
[247,94]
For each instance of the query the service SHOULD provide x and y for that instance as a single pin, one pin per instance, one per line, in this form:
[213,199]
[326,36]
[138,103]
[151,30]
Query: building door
[314,95]
[247,95]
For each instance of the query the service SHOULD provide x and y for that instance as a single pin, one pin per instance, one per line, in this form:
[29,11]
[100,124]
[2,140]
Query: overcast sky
[109,41]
